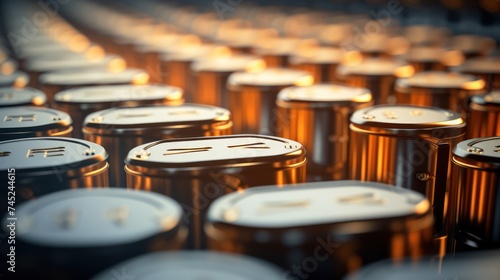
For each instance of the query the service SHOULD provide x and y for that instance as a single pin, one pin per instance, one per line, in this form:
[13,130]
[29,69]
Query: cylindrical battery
[472,45]
[329,226]
[13,97]
[321,62]
[276,51]
[80,102]
[47,164]
[16,79]
[376,74]
[446,90]
[432,58]
[120,129]
[317,116]
[195,171]
[53,82]
[407,146]
[488,68]
[252,97]
[483,115]
[25,122]
[210,76]
[75,234]
[193,265]
[475,195]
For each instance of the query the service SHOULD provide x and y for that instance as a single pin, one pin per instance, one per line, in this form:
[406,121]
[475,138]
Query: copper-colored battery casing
[13,97]
[475,195]
[407,146]
[195,171]
[472,45]
[432,58]
[210,76]
[321,62]
[80,102]
[252,97]
[120,129]
[483,115]
[438,89]
[376,74]
[54,82]
[317,116]
[488,68]
[334,227]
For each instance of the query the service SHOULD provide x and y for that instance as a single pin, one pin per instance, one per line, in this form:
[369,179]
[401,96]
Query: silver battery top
[17,79]
[486,102]
[29,121]
[49,155]
[319,203]
[227,64]
[192,265]
[169,156]
[480,65]
[55,63]
[149,118]
[10,96]
[440,80]
[91,76]
[318,55]
[270,77]
[409,120]
[480,153]
[322,95]
[118,94]
[189,53]
[376,67]
[96,217]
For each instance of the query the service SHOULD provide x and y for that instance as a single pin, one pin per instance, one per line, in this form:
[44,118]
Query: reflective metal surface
[475,190]
[11,96]
[484,115]
[195,171]
[488,68]
[317,116]
[120,129]
[335,226]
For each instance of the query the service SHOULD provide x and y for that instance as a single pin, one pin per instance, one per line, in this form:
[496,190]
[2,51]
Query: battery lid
[32,119]
[117,93]
[47,64]
[489,100]
[190,53]
[181,116]
[327,94]
[442,80]
[94,76]
[377,67]
[10,96]
[195,265]
[50,154]
[17,79]
[319,55]
[96,217]
[231,63]
[480,65]
[408,119]
[213,152]
[315,204]
[484,152]
[270,77]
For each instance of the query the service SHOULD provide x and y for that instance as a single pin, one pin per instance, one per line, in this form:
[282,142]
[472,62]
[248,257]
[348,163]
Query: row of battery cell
[210,179]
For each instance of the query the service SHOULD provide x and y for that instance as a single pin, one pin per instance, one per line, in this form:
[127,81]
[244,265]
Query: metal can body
[484,115]
[120,129]
[475,194]
[24,122]
[252,97]
[317,116]
[433,58]
[299,227]
[321,62]
[438,89]
[82,101]
[376,74]
[195,171]
[88,230]
[407,146]
[47,164]
[488,68]
[11,97]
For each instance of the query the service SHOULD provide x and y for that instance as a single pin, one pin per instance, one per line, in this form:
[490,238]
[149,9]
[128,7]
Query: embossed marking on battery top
[270,207]
[20,118]
[67,219]
[136,115]
[118,215]
[390,115]
[186,150]
[4,154]
[257,145]
[47,152]
[7,95]
[364,198]
[185,112]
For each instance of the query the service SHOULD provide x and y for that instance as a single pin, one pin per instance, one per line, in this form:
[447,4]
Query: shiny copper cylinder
[376,74]
[433,58]
[252,97]
[302,229]
[210,76]
[120,129]
[483,115]
[407,146]
[475,195]
[195,171]
[317,116]
[446,90]
[488,68]
[80,102]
